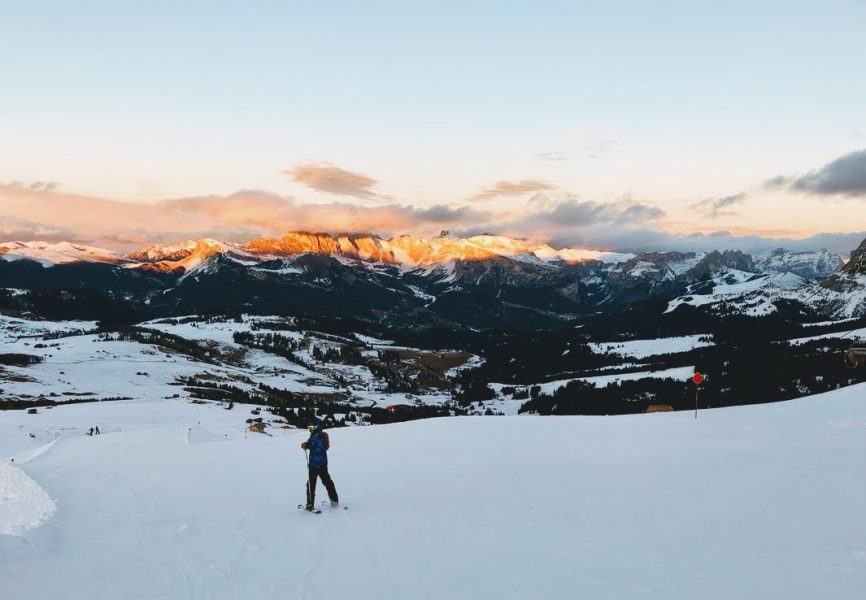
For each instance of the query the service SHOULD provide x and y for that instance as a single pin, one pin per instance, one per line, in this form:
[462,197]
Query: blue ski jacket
[318,444]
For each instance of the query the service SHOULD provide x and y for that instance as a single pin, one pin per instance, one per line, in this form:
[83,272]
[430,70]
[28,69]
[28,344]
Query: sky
[613,125]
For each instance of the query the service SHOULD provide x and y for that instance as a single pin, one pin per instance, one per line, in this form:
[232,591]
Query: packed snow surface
[750,503]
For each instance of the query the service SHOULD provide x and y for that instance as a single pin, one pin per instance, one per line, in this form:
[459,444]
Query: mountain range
[404,250]
[482,281]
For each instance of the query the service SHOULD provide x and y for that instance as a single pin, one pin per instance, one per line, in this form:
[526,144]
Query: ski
[326,504]
[315,511]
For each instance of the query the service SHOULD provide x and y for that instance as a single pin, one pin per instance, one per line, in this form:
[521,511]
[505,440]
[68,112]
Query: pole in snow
[697,379]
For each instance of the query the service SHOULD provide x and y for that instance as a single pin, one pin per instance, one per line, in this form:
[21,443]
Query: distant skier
[317,462]
[90,432]
[96,430]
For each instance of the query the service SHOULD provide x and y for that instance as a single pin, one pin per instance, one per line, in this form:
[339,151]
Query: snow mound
[23,504]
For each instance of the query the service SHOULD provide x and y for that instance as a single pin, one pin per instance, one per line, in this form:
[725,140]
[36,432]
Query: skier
[317,462]
[96,430]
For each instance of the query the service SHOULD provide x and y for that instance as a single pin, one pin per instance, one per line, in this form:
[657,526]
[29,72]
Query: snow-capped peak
[405,250]
[187,255]
[48,253]
[809,264]
[179,251]
[413,251]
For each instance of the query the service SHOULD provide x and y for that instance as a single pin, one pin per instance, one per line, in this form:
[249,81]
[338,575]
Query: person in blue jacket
[317,462]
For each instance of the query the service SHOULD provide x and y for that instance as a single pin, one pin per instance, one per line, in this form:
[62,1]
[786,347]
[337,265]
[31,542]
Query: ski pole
[309,489]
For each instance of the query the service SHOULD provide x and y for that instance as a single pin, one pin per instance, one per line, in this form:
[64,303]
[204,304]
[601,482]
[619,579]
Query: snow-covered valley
[75,361]
[176,500]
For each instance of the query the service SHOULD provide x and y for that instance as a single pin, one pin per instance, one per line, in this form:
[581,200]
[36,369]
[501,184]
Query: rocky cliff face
[180,258]
[413,251]
[846,290]
[857,264]
[810,265]
[362,247]
[715,262]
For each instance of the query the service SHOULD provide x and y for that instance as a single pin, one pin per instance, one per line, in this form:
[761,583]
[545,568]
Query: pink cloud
[237,217]
[42,214]
[334,180]
[511,188]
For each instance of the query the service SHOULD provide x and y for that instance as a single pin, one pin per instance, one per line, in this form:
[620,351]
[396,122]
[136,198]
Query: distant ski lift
[855,357]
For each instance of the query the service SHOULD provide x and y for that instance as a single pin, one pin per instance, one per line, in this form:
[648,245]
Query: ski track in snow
[175,502]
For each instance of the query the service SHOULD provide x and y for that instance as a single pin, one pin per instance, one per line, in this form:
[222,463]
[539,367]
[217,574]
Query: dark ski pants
[326,480]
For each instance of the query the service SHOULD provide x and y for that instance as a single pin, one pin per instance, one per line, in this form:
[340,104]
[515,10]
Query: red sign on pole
[697,378]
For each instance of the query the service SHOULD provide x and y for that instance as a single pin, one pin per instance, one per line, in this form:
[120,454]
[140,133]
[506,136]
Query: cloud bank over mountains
[562,219]
[528,208]
[27,214]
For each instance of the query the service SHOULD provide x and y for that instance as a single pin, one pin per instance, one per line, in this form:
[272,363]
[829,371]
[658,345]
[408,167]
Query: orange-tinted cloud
[30,214]
[273,213]
[562,219]
[334,180]
[511,188]
[13,228]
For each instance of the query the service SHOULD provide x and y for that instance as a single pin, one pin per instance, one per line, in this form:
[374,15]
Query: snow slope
[511,406]
[653,347]
[748,293]
[748,503]
[854,335]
